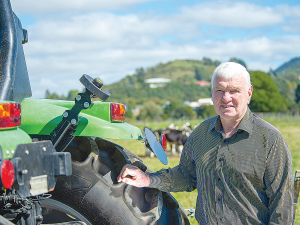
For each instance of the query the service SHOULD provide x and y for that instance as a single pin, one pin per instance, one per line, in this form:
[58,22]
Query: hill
[286,78]
[184,87]
[163,91]
[290,67]
[183,68]
[185,74]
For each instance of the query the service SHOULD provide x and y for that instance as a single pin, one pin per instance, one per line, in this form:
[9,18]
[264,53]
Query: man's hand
[134,176]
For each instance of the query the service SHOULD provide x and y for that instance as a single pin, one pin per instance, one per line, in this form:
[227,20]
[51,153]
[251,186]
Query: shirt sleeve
[179,178]
[279,183]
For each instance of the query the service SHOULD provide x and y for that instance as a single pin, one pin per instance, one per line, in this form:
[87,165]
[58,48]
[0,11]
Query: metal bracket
[191,212]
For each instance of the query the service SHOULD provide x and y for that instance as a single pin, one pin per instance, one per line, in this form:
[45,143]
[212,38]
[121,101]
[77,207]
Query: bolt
[65,114]
[98,83]
[73,121]
[24,171]
[7,153]
[78,97]
[39,218]
[44,148]
[86,105]
[27,152]
[12,151]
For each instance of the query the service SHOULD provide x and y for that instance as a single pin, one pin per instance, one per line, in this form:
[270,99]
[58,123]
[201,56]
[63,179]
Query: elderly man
[240,165]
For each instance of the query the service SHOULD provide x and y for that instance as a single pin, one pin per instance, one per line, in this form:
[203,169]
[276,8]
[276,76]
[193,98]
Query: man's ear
[250,93]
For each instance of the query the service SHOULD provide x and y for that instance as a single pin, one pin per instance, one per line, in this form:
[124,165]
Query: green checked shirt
[244,179]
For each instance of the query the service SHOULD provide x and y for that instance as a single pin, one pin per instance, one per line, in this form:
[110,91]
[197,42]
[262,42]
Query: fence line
[279,117]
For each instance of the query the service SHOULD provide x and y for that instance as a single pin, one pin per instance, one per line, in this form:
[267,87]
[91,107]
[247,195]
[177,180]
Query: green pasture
[288,126]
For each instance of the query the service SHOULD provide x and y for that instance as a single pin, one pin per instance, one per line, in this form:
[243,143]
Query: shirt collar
[245,125]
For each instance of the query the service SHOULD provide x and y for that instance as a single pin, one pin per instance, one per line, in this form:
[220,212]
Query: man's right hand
[134,176]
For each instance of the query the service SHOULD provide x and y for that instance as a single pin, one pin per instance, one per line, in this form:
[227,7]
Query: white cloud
[259,53]
[63,47]
[232,14]
[114,64]
[46,6]
[102,29]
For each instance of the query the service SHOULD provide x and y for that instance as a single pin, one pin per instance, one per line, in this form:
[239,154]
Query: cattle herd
[176,137]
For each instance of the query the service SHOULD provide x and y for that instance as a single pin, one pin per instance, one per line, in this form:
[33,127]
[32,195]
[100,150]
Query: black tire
[93,192]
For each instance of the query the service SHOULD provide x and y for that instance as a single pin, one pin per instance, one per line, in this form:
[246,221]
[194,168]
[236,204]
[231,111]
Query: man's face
[231,97]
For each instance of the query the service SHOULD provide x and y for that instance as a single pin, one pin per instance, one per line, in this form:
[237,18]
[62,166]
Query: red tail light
[10,115]
[163,141]
[117,112]
[7,174]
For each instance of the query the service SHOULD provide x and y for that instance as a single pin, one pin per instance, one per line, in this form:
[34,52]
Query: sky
[110,39]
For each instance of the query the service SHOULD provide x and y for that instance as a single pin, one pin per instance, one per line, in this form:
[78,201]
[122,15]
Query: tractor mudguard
[10,139]
[41,116]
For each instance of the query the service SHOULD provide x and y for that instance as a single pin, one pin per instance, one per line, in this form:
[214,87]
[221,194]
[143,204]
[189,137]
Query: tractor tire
[93,195]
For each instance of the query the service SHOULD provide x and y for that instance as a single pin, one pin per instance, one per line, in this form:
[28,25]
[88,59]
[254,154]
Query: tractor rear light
[7,174]
[117,112]
[10,115]
[163,141]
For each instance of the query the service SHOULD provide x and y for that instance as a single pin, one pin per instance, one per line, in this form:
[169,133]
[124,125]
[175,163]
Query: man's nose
[227,96]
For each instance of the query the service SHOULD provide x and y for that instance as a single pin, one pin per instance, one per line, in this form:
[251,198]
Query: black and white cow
[176,139]
[187,129]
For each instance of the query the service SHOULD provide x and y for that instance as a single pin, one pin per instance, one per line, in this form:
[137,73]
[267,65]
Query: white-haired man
[240,165]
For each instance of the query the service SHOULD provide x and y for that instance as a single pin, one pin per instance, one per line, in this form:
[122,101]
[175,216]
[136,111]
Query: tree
[200,73]
[140,74]
[297,93]
[178,109]
[266,96]
[286,88]
[206,111]
[128,112]
[207,61]
[47,94]
[72,94]
[238,61]
[217,63]
[151,111]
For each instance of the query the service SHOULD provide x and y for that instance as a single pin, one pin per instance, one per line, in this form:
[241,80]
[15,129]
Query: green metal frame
[41,116]
[10,139]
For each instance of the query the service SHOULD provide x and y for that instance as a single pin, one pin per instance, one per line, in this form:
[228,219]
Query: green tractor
[57,166]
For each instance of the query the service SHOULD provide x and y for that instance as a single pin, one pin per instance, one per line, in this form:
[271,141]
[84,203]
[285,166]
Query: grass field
[290,129]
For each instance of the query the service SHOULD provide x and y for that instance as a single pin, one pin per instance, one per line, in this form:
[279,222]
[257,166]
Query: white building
[200,102]
[157,82]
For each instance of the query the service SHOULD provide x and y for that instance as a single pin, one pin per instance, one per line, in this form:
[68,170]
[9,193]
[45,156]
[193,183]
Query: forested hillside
[290,69]
[286,78]
[189,80]
[184,74]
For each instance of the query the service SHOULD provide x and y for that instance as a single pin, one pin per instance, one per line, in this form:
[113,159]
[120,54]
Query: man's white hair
[229,70]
